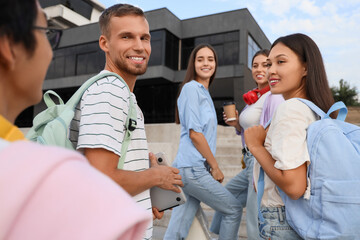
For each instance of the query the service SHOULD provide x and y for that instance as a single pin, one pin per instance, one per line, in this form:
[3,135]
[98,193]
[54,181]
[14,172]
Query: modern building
[71,13]
[235,35]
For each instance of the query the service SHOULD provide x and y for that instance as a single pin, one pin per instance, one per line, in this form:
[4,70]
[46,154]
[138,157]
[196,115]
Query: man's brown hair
[117,10]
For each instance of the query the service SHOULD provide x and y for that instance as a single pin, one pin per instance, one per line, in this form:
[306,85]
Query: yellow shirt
[9,132]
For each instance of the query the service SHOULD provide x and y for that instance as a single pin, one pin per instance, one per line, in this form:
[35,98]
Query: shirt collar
[9,132]
[199,84]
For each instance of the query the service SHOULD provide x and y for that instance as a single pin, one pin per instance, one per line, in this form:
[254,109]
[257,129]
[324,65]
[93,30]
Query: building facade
[235,35]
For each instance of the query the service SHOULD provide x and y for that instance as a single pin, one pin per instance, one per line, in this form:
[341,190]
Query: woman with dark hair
[195,159]
[260,107]
[295,70]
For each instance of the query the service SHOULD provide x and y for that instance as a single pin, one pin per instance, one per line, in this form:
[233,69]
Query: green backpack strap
[130,127]
[75,99]
[130,123]
[48,100]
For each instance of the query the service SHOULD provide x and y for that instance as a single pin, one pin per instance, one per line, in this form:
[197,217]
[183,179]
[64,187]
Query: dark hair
[117,10]
[264,52]
[191,73]
[17,18]
[316,83]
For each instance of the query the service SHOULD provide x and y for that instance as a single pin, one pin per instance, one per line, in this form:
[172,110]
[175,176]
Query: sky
[333,24]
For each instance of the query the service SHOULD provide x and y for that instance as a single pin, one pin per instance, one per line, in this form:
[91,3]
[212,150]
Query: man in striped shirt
[98,127]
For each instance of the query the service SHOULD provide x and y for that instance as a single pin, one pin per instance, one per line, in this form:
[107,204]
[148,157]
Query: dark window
[76,60]
[187,45]
[231,53]
[79,6]
[171,51]
[87,63]
[157,43]
[164,49]
[226,46]
[157,101]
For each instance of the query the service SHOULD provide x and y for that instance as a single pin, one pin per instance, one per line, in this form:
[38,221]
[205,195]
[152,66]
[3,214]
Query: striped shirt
[99,122]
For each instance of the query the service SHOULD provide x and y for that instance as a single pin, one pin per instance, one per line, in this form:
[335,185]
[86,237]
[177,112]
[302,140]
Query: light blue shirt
[196,112]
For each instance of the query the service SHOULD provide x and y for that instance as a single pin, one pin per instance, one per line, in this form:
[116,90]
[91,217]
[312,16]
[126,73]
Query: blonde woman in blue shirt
[195,158]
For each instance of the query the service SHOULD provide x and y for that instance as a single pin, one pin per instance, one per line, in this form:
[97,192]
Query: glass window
[253,47]
[87,63]
[219,49]
[157,42]
[157,101]
[59,68]
[79,6]
[226,46]
[164,49]
[171,51]
[187,45]
[76,60]
[70,65]
[199,40]
[47,3]
[231,53]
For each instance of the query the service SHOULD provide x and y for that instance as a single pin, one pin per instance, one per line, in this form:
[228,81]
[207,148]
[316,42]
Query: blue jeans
[275,226]
[241,186]
[200,186]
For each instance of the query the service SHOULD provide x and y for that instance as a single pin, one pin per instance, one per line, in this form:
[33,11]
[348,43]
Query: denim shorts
[275,226]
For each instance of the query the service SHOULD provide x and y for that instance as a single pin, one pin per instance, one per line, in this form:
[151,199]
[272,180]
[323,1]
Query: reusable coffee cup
[230,110]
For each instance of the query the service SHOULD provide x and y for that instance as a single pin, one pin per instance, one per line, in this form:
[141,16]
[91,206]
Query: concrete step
[234,141]
[164,131]
[228,159]
[228,150]
[225,131]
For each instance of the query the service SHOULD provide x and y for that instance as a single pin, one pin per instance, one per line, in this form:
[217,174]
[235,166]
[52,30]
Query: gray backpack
[51,126]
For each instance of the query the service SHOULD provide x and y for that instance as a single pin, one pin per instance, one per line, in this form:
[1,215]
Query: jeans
[275,226]
[241,186]
[200,186]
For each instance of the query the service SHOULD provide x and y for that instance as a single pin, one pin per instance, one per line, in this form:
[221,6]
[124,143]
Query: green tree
[345,93]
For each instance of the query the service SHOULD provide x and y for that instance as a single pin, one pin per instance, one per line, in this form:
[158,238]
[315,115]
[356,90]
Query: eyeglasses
[53,35]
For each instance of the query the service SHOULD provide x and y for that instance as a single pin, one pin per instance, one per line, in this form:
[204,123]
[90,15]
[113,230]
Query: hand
[168,177]
[233,123]
[157,214]
[217,174]
[255,136]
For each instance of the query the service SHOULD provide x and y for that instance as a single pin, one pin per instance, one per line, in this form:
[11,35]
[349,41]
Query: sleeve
[271,103]
[286,138]
[104,109]
[189,108]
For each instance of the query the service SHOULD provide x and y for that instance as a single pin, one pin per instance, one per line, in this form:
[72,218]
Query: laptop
[165,199]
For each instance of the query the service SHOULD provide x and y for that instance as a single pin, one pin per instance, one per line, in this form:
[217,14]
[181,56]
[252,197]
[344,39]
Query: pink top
[52,193]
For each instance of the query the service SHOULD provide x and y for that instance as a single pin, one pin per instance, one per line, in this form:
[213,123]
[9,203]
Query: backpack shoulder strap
[336,106]
[130,125]
[313,107]
[74,100]
[48,100]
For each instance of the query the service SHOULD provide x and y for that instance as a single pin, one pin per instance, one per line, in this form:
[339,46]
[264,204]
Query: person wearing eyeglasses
[48,192]
[53,35]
